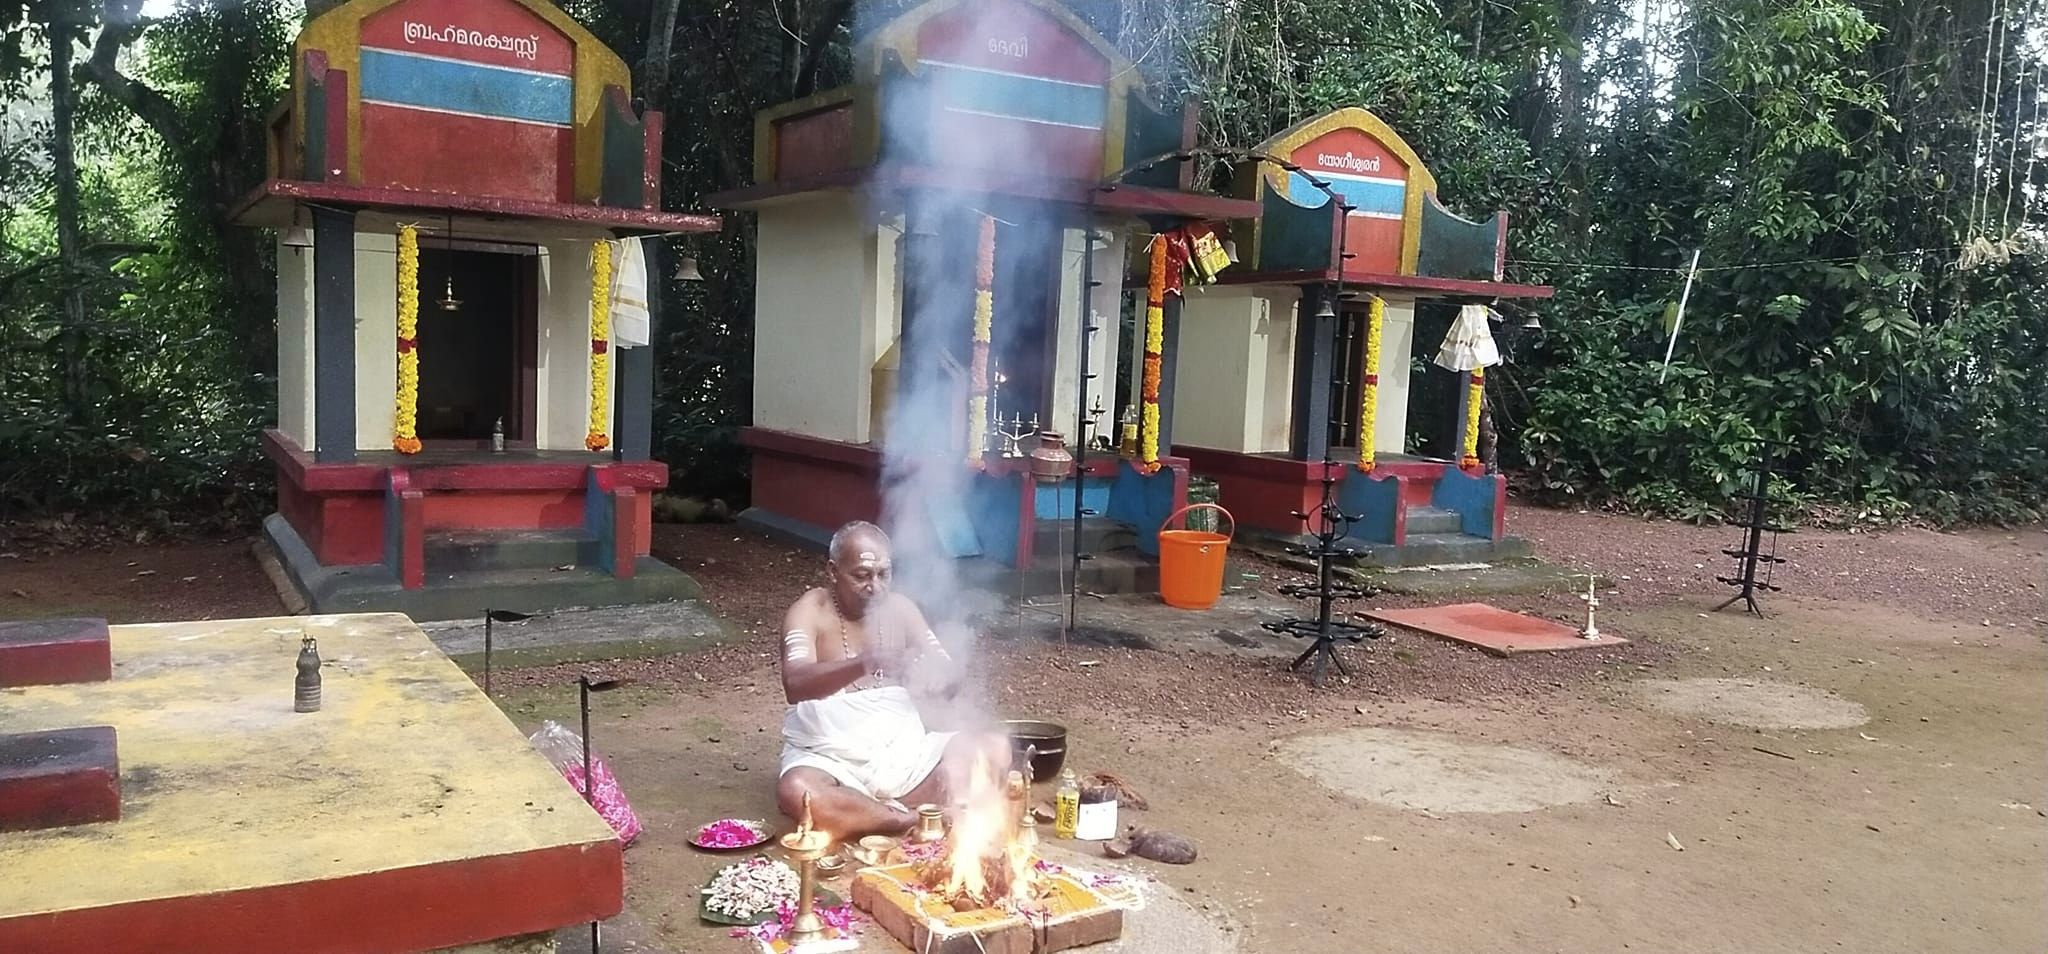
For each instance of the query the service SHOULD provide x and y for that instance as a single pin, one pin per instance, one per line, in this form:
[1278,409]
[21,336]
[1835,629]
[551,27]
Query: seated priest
[856,660]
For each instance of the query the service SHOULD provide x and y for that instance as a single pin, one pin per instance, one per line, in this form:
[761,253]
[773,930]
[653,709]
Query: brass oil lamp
[805,846]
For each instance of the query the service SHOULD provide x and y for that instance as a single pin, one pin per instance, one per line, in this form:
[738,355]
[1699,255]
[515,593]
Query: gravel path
[1973,575]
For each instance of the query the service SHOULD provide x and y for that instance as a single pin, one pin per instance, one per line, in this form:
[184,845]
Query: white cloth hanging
[630,321]
[1470,345]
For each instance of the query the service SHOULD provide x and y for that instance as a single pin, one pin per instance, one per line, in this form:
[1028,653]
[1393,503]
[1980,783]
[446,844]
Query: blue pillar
[334,336]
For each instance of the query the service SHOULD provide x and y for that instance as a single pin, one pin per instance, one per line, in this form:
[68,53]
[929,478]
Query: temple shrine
[956,222]
[460,187]
[1307,350]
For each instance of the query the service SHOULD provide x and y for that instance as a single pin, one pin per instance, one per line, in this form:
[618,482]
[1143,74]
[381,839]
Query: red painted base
[407,909]
[54,651]
[1261,492]
[818,482]
[1265,491]
[58,779]
[340,509]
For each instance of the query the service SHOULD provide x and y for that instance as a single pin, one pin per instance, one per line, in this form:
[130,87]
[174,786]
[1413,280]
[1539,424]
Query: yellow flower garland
[600,345]
[405,416]
[1472,403]
[1369,395]
[984,326]
[1155,349]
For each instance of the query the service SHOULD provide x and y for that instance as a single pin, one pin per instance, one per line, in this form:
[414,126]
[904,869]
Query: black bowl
[1047,742]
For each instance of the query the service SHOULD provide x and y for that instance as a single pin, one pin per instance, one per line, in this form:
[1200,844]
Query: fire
[988,863]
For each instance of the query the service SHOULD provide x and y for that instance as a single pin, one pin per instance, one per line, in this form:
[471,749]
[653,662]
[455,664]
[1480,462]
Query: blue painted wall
[1376,499]
[1143,501]
[992,502]
[1472,497]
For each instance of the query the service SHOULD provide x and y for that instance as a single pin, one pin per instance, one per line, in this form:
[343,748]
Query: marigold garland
[1369,395]
[600,345]
[1472,402]
[1155,347]
[984,321]
[405,415]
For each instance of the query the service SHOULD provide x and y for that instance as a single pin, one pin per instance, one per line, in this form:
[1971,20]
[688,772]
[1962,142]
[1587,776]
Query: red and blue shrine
[1298,375]
[977,136]
[460,187]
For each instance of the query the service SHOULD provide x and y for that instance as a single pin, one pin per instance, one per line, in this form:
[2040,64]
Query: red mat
[1494,630]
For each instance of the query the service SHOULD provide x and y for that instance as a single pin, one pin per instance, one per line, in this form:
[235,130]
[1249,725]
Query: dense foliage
[1829,161]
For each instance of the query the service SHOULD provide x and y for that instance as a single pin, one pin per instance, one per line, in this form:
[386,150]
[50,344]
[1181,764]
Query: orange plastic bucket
[1191,561]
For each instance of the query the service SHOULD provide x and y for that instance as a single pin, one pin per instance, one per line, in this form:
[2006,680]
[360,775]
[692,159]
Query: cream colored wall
[818,317]
[1397,346]
[295,344]
[562,379]
[1235,388]
[377,339]
[1270,380]
[1212,405]
[1103,348]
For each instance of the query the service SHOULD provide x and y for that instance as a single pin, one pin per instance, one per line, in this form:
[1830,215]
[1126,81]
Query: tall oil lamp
[1591,631]
[805,846]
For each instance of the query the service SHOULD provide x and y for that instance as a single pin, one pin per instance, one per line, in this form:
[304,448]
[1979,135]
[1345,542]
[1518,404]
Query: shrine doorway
[478,339]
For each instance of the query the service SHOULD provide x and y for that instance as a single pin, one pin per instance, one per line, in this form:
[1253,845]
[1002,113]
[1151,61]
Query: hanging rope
[2013,187]
[1985,107]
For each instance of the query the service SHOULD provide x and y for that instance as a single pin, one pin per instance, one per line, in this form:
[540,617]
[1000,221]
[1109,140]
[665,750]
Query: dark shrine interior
[477,330]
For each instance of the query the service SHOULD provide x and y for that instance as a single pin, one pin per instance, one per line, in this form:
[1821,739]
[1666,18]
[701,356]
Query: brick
[1076,916]
[58,779]
[50,652]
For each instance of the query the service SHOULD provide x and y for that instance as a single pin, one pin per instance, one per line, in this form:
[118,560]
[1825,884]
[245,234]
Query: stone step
[471,551]
[1121,571]
[466,594]
[1431,549]
[1434,520]
[1098,535]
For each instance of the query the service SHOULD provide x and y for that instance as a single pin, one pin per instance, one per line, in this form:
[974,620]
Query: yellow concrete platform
[408,814]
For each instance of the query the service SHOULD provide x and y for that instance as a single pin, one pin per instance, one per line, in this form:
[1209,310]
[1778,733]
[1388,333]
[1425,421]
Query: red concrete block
[58,779]
[48,652]
[1493,630]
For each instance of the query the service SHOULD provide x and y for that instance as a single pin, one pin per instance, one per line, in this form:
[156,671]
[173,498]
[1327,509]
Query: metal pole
[487,651]
[1081,377]
[1683,297]
[589,784]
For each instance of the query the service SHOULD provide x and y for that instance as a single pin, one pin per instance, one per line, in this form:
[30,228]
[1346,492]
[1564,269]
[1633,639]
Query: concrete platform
[409,814]
[1493,630]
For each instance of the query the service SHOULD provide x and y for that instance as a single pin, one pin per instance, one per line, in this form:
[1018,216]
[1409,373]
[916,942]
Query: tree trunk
[63,97]
[1489,435]
[820,42]
[661,37]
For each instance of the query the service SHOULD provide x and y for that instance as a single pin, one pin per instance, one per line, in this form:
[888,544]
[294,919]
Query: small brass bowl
[831,865]
[874,850]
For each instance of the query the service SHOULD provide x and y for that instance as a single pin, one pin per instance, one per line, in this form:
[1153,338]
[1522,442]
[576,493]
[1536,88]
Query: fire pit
[983,891]
[1062,913]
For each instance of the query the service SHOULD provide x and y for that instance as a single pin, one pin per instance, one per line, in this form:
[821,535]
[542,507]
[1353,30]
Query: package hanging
[564,748]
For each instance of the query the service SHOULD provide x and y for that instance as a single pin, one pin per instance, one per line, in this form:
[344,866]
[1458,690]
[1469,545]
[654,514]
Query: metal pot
[1051,461]
[1048,742]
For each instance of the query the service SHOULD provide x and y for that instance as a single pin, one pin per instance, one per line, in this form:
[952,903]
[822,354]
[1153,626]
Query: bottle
[1067,805]
[306,687]
[498,436]
[1097,818]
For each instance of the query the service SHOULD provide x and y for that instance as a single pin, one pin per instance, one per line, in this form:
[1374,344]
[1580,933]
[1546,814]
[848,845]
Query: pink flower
[840,920]
[727,833]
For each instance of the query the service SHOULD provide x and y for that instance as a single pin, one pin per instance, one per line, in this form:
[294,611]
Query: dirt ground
[1862,771]
[1540,821]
